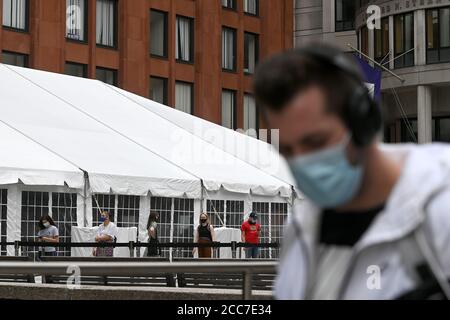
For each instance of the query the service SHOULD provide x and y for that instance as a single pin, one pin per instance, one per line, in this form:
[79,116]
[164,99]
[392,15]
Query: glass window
[158,33]
[382,41]
[184,37]
[76,69]
[364,32]
[15,14]
[228,109]
[184,97]
[250,115]
[229,4]
[106,22]
[76,20]
[15,59]
[443,130]
[438,35]
[108,76]
[229,49]
[251,48]
[409,130]
[251,7]
[404,40]
[445,27]
[345,15]
[158,90]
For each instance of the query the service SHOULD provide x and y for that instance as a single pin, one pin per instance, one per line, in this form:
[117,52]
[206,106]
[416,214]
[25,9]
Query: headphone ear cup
[363,117]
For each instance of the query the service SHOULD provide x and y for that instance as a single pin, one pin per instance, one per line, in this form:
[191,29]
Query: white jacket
[415,225]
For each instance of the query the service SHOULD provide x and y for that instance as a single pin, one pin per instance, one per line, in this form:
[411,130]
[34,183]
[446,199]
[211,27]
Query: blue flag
[371,75]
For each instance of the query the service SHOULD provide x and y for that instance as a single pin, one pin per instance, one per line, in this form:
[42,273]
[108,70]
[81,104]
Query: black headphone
[362,114]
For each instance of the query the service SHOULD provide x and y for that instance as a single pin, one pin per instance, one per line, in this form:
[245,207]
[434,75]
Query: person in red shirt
[251,230]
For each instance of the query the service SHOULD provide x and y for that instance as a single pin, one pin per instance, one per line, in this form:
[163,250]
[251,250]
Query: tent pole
[202,197]
[85,194]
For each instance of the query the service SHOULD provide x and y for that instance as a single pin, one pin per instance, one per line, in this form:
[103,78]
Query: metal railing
[132,245]
[142,269]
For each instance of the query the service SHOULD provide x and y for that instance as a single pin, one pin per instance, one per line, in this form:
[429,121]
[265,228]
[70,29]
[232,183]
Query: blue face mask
[326,177]
[102,219]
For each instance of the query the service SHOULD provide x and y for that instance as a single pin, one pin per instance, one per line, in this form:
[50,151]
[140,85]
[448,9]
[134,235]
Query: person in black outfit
[204,234]
[152,229]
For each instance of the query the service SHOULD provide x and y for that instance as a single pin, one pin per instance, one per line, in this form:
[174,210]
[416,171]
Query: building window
[104,202]
[183,221]
[158,90]
[3,219]
[404,40]
[158,33]
[34,206]
[184,37]
[364,43]
[128,211]
[106,22]
[250,115]
[108,76]
[382,42]
[15,14]
[15,59]
[438,35]
[251,52]
[64,214]
[229,4]
[229,109]
[76,17]
[251,7]
[442,129]
[229,49]
[184,97]
[234,214]
[345,15]
[76,69]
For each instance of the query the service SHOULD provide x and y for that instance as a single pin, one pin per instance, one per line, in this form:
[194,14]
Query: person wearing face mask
[152,235]
[250,232]
[107,232]
[204,234]
[375,219]
[48,232]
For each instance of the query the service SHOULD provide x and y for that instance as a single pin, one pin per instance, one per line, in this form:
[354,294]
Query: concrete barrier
[26,291]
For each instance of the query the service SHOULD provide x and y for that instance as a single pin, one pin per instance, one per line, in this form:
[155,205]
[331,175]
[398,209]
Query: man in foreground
[376,220]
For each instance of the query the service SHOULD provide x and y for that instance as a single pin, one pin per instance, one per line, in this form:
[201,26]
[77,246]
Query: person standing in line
[204,234]
[251,231]
[107,232]
[152,230]
[48,232]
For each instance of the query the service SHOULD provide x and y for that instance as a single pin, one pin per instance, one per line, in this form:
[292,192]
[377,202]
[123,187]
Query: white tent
[66,134]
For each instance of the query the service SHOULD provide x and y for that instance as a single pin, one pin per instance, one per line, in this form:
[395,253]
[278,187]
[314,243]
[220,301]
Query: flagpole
[377,64]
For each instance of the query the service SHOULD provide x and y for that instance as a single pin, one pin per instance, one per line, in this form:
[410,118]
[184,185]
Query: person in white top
[106,233]
[373,221]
